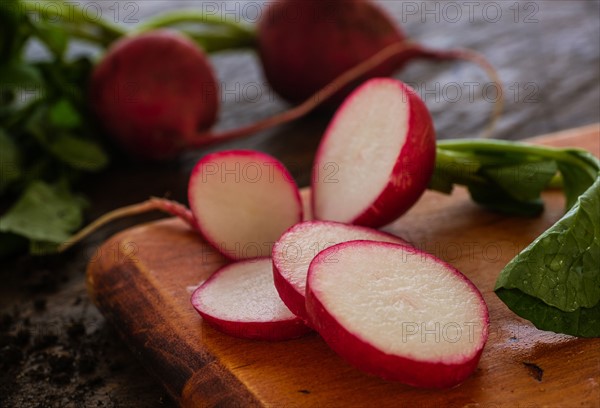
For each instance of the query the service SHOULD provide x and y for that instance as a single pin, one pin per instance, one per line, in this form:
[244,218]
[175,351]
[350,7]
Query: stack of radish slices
[384,306]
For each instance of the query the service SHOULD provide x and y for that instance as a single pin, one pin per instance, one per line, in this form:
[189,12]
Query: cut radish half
[243,201]
[397,312]
[297,247]
[376,157]
[240,300]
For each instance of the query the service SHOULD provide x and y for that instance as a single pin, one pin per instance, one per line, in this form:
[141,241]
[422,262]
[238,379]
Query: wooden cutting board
[142,277]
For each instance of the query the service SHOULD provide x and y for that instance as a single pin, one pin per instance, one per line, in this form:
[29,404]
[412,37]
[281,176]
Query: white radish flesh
[243,201]
[397,312]
[376,157]
[240,300]
[297,247]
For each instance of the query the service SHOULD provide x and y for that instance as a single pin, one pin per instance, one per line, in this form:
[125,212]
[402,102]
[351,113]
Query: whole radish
[304,45]
[156,95]
[152,93]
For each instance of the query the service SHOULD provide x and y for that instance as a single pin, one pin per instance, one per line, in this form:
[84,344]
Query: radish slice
[297,247]
[397,312]
[240,300]
[243,201]
[376,157]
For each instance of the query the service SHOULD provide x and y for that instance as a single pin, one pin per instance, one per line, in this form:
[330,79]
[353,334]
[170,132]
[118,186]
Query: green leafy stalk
[73,21]
[215,42]
[177,17]
[555,281]
[212,33]
[48,140]
[45,214]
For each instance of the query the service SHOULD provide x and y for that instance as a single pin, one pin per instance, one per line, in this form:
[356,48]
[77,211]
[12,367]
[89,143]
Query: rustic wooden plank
[143,288]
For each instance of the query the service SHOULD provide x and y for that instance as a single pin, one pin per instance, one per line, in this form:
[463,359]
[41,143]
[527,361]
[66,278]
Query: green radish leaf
[63,115]
[560,270]
[36,127]
[79,153]
[9,25]
[21,84]
[576,179]
[497,199]
[441,183]
[15,30]
[524,181]
[56,39]
[41,248]
[583,322]
[454,168]
[44,213]
[555,281]
[15,75]
[10,163]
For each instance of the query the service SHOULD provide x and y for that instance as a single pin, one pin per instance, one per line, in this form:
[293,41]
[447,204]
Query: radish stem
[153,204]
[394,50]
[214,42]
[190,16]
[478,59]
[76,15]
[205,139]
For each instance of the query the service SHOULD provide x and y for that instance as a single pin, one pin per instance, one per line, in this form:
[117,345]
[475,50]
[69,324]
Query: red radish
[241,201]
[304,45]
[376,157]
[156,95]
[240,300]
[297,247]
[397,312]
[153,91]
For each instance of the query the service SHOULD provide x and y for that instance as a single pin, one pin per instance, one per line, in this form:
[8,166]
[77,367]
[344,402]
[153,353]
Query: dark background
[55,347]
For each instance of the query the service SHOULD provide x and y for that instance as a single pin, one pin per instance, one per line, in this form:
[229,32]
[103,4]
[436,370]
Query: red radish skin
[146,106]
[304,45]
[412,143]
[382,349]
[152,92]
[156,95]
[240,300]
[376,158]
[243,201]
[296,248]
[156,103]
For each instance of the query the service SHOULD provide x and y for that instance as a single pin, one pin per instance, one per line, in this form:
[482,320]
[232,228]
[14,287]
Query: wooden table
[548,59]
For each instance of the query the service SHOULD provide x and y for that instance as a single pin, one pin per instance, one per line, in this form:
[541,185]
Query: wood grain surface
[142,278]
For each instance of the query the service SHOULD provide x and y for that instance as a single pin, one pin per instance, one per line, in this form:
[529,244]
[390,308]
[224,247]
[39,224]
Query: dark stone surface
[56,349]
